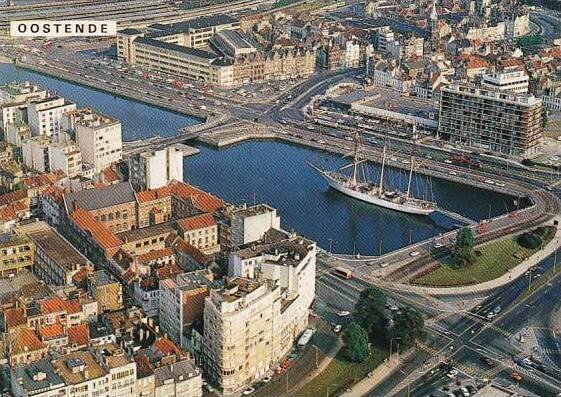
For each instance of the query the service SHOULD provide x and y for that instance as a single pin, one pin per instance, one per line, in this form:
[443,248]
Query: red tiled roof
[155,254]
[188,249]
[72,306]
[477,63]
[52,305]
[204,201]
[14,317]
[11,197]
[79,278]
[151,195]
[196,222]
[168,271]
[8,214]
[100,233]
[51,331]
[165,347]
[25,340]
[78,335]
[110,175]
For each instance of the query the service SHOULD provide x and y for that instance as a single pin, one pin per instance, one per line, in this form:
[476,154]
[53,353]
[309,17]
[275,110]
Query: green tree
[464,254]
[356,342]
[369,311]
[408,326]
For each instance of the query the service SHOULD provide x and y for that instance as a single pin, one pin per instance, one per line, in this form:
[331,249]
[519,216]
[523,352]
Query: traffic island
[492,261]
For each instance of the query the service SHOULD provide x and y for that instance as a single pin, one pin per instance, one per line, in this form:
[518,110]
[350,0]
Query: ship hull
[376,200]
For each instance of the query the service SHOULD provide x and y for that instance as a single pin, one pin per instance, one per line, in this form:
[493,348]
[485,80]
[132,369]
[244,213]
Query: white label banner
[69,28]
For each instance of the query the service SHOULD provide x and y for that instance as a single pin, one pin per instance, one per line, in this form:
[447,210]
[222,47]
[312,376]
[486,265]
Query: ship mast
[380,186]
[356,161]
[410,177]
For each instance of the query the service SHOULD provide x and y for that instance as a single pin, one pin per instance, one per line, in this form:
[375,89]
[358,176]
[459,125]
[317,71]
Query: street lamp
[328,387]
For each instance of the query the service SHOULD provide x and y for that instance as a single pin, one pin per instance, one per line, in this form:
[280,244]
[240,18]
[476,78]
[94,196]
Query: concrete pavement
[384,370]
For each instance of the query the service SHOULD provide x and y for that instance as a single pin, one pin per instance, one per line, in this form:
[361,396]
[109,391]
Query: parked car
[248,391]
[343,313]
[337,328]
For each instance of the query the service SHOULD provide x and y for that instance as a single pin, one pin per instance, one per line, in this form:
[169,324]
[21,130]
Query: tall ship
[361,189]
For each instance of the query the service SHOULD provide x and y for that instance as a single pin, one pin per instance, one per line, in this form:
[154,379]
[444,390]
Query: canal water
[139,120]
[277,174]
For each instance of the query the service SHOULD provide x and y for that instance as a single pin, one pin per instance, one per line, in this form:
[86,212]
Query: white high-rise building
[515,81]
[155,169]
[249,224]
[253,321]
[45,116]
[99,138]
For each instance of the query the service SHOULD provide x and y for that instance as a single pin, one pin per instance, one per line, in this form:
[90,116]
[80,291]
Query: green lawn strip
[496,259]
[342,374]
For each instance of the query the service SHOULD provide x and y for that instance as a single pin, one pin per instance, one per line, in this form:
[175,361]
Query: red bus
[341,272]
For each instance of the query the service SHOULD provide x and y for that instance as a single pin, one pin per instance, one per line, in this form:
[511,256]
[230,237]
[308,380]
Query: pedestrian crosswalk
[487,324]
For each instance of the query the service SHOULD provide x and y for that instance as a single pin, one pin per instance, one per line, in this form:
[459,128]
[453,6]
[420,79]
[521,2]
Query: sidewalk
[379,374]
[506,278]
[322,366]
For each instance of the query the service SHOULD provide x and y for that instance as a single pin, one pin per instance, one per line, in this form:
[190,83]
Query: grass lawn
[495,260]
[342,374]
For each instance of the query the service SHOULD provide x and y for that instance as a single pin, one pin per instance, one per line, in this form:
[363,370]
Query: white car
[343,313]
[337,328]
[490,182]
[385,264]
[266,379]
[248,391]
[465,392]
[438,245]
[500,184]
[452,373]
[453,173]
[448,161]
[414,254]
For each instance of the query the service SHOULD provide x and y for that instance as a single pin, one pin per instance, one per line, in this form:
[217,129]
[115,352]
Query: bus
[343,273]
[305,338]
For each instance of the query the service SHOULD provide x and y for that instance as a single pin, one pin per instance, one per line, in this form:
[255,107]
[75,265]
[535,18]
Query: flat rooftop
[394,102]
[253,210]
[58,249]
[71,367]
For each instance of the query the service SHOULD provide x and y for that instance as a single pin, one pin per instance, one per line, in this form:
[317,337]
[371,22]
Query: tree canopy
[464,254]
[369,310]
[356,342]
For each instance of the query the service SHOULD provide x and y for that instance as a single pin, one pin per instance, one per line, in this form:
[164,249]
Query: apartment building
[65,156]
[252,322]
[155,169]
[248,327]
[57,261]
[99,138]
[182,300]
[45,115]
[17,253]
[106,290]
[35,152]
[201,231]
[491,120]
[104,371]
[14,98]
